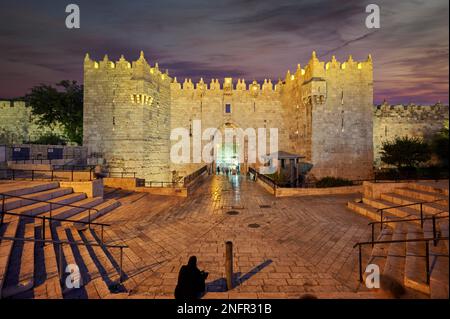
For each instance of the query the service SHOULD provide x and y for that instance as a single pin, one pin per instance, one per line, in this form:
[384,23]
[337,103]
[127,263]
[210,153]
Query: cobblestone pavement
[285,246]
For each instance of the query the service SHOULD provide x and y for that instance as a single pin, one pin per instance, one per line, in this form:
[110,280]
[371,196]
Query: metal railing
[50,218]
[263,177]
[121,174]
[433,218]
[163,184]
[427,251]
[43,174]
[382,210]
[193,176]
[60,244]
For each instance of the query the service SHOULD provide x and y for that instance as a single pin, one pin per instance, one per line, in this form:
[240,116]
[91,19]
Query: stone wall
[391,121]
[18,125]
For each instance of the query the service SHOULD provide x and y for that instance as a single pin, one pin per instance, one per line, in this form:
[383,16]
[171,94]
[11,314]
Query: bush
[49,139]
[405,152]
[333,182]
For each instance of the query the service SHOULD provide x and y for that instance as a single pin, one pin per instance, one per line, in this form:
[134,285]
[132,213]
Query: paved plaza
[282,246]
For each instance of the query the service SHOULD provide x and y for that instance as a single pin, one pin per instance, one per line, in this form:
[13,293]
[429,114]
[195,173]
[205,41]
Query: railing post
[52,175]
[433,218]
[60,261]
[3,209]
[427,261]
[72,175]
[421,216]
[381,221]
[13,175]
[229,264]
[373,234]
[360,264]
[43,230]
[120,266]
[101,235]
[32,174]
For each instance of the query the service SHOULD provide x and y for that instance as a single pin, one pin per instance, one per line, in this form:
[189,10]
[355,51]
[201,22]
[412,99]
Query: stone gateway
[323,112]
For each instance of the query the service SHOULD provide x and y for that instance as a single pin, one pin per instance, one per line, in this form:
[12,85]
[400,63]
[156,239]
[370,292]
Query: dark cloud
[255,39]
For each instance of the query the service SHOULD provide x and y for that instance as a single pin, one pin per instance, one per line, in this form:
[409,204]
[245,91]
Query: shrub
[405,152]
[333,182]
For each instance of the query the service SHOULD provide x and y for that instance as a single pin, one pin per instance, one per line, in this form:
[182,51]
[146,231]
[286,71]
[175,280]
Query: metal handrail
[50,218]
[121,174]
[60,243]
[162,184]
[52,175]
[191,177]
[427,251]
[381,210]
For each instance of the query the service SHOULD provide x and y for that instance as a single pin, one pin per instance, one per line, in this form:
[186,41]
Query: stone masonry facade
[323,112]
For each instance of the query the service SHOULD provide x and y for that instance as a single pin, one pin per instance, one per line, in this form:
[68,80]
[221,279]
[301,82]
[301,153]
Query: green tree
[405,152]
[60,105]
[439,144]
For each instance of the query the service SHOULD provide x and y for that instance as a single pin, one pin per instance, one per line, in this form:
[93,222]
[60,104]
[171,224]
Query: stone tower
[340,96]
[127,116]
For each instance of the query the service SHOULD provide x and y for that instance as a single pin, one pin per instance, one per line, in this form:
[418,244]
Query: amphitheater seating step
[20,274]
[14,202]
[6,249]
[421,195]
[101,210]
[20,188]
[395,262]
[66,212]
[39,208]
[405,262]
[415,264]
[96,287]
[47,284]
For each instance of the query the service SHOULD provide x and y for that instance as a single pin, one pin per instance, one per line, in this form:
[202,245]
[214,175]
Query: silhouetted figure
[218,169]
[191,281]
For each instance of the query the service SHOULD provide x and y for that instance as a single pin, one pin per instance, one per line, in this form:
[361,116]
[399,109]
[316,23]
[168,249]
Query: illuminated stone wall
[391,121]
[18,125]
[323,112]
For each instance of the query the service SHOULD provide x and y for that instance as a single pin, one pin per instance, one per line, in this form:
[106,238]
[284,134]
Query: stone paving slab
[299,245]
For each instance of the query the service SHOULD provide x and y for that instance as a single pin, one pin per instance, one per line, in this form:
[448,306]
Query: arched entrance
[229,159]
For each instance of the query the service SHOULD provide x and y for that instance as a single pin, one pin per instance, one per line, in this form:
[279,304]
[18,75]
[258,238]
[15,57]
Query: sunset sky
[254,39]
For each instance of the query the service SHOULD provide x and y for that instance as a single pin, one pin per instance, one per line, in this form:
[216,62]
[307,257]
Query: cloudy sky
[255,39]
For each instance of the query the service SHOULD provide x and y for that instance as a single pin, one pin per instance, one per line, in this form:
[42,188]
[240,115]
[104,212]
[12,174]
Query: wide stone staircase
[32,268]
[410,213]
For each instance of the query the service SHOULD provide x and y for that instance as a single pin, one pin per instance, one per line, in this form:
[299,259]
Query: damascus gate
[323,112]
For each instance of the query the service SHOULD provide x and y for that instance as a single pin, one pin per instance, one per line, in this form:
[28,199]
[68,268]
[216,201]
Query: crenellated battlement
[410,110]
[138,69]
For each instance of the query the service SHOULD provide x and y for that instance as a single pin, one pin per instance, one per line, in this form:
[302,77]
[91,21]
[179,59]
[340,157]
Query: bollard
[229,264]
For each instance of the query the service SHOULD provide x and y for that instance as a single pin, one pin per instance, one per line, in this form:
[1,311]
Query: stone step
[380,251]
[68,259]
[415,262]
[21,188]
[439,264]
[96,287]
[39,208]
[20,274]
[400,212]
[393,272]
[102,261]
[421,195]
[66,212]
[440,187]
[428,208]
[10,230]
[47,284]
[369,211]
[101,210]
[14,202]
